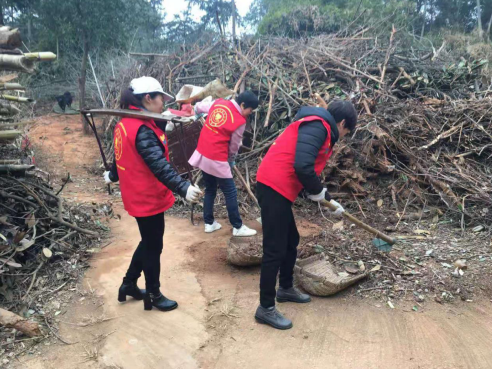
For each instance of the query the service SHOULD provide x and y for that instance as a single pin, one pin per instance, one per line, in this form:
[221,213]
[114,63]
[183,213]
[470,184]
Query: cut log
[9,135]
[24,63]
[12,320]
[10,38]
[16,63]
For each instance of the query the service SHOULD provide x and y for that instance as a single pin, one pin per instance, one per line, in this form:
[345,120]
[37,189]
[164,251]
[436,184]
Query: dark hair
[344,110]
[129,98]
[249,99]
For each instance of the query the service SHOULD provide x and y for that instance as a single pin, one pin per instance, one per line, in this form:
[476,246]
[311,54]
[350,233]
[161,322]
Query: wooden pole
[361,224]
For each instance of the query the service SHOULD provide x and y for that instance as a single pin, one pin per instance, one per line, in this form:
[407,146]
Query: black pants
[147,256]
[280,241]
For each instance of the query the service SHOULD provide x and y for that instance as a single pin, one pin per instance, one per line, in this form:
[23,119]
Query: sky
[173,7]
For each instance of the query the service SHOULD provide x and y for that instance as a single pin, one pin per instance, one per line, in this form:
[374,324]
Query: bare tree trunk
[82,79]
[423,23]
[488,28]
[29,24]
[479,17]
[234,16]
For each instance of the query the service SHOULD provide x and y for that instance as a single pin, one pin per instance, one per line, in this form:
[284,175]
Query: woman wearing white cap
[147,182]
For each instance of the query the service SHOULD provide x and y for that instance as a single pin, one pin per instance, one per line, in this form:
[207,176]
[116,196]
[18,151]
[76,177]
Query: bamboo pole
[40,56]
[8,168]
[19,99]
[11,86]
[9,135]
[10,161]
[7,125]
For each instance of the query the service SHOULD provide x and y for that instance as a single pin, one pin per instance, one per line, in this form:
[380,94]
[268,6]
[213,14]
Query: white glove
[170,127]
[339,210]
[193,194]
[318,197]
[107,180]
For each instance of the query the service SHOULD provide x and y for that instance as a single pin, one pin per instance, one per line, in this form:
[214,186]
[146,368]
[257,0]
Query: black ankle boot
[130,288]
[158,301]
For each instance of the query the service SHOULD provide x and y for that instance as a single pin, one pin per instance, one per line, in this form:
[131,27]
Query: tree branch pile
[424,128]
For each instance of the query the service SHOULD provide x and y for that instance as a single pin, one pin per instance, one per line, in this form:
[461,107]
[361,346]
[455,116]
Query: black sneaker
[292,295]
[272,317]
[159,301]
[130,288]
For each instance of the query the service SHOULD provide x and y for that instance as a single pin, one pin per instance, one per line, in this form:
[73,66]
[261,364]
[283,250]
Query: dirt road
[214,324]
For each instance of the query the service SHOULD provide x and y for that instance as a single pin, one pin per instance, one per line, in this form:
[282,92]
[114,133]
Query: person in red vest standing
[147,182]
[293,162]
[218,145]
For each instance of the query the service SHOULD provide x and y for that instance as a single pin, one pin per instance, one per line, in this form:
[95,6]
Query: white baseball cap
[147,85]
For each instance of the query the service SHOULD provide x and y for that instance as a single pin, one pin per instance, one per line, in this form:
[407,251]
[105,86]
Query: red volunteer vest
[222,120]
[277,168]
[143,195]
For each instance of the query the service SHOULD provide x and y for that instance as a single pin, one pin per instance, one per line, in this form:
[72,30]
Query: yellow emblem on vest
[118,144]
[218,117]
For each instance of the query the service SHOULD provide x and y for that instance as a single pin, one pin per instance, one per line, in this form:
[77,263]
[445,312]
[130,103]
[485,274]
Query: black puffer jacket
[310,139]
[152,152]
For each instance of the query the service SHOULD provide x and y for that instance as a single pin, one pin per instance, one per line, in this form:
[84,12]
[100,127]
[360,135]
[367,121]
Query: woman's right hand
[193,194]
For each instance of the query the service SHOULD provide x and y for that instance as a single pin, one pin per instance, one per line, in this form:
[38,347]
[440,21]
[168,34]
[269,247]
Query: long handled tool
[181,136]
[90,121]
[381,239]
[248,189]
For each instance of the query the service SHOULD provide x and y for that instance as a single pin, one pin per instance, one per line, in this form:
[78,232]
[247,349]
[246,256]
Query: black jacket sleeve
[113,172]
[152,152]
[310,139]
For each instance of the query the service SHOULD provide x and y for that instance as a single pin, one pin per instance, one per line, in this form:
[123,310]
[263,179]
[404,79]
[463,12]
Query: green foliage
[309,17]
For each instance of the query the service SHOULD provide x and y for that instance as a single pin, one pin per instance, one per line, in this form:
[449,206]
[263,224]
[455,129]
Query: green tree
[93,24]
[217,12]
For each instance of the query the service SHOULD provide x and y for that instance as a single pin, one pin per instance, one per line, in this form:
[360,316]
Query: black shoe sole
[261,321]
[149,307]
[283,300]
